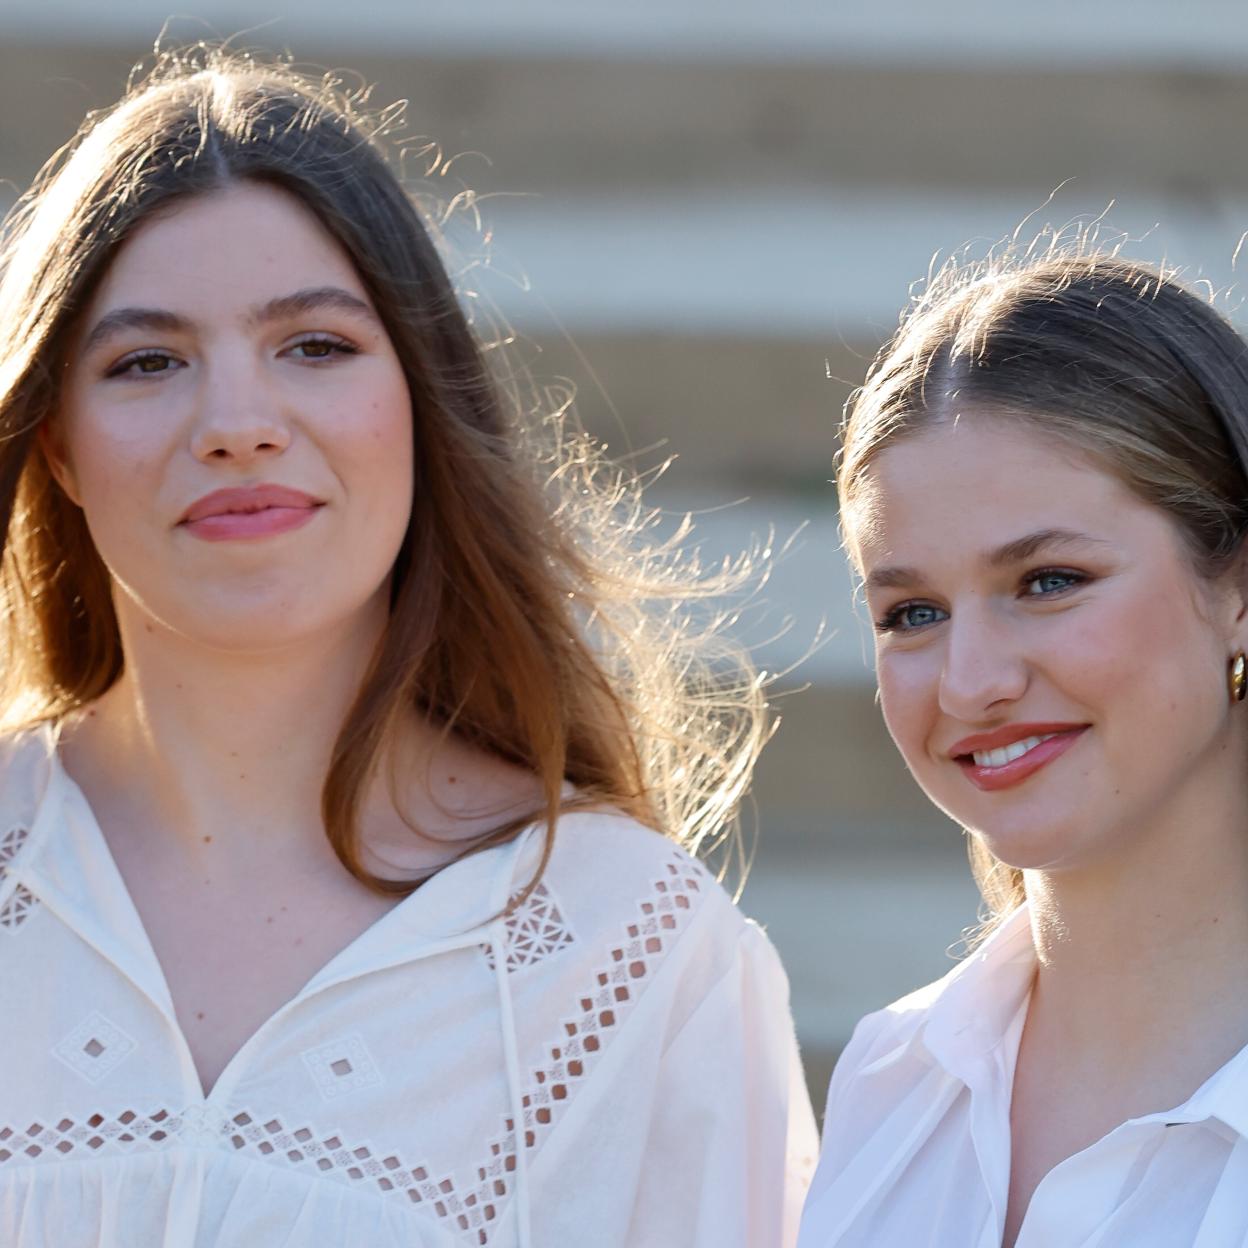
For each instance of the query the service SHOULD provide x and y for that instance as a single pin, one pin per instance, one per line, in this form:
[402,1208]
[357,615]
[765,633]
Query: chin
[1030,846]
[249,629]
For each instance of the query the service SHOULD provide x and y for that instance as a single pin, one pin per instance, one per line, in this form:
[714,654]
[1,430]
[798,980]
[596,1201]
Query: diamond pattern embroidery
[472,1209]
[17,909]
[95,1134]
[10,843]
[535,930]
[342,1066]
[95,1048]
[334,1158]
[614,992]
[21,903]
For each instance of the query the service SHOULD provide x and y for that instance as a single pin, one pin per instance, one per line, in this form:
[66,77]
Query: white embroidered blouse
[627,1017]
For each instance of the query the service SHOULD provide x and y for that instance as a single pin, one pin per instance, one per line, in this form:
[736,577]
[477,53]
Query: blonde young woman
[1045,489]
[345,797]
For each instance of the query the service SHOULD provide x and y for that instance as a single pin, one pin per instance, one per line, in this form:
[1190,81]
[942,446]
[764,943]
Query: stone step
[840,114]
[857,930]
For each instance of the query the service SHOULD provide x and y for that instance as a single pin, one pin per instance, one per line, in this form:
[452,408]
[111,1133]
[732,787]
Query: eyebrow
[311,299]
[1017,551]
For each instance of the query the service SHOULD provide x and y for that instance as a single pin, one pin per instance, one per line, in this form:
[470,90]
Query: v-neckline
[85,886]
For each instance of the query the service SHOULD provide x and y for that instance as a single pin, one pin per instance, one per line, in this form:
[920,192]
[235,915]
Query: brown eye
[320,348]
[145,363]
[316,350]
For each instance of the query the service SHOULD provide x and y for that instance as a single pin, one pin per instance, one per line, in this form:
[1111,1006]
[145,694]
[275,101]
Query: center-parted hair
[1118,360]
[533,614]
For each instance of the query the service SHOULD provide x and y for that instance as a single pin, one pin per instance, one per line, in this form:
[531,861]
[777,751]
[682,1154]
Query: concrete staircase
[706,216]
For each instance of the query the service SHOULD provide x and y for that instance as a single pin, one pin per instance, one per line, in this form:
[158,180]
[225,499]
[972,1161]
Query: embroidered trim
[95,1048]
[535,930]
[342,1066]
[585,1034]
[21,904]
[474,1211]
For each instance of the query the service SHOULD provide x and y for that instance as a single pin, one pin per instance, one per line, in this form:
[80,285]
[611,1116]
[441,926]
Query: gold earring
[1239,677]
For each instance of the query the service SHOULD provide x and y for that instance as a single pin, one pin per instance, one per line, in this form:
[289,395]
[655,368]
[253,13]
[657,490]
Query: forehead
[963,487]
[223,249]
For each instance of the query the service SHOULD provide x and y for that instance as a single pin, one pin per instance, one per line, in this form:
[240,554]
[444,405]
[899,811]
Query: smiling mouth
[1008,753]
[1005,766]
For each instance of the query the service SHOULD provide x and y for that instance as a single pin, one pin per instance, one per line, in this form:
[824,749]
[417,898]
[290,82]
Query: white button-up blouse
[632,1023]
[916,1149]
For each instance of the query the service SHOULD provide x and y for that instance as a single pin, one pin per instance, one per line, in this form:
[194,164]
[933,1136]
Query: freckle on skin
[207,840]
[199,1014]
[269,919]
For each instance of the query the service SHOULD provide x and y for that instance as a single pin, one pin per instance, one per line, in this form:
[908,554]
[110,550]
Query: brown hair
[1119,360]
[530,613]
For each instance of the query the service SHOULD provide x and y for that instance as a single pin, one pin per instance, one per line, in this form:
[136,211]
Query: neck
[1138,950]
[211,743]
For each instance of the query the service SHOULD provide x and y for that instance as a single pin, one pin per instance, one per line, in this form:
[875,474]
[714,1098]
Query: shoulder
[631,906]
[26,760]
[887,1030]
[607,862]
[26,764]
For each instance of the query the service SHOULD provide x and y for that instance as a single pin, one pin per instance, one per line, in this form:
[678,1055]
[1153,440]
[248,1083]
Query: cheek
[909,689]
[1162,669]
[109,469]
[379,448]
[367,428]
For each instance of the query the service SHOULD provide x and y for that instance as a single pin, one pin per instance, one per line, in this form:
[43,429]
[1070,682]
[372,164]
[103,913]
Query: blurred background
[705,215]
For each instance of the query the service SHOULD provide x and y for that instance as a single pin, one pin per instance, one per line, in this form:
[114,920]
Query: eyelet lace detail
[535,930]
[472,1208]
[21,903]
[585,1033]
[126,1132]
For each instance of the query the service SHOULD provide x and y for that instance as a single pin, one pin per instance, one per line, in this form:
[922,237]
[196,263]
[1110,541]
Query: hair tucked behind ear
[533,613]
[1118,360]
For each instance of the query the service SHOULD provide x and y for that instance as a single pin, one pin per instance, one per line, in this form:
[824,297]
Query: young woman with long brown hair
[354,745]
[1044,486]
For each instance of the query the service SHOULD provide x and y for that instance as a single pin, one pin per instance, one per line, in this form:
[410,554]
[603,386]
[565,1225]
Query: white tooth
[1008,753]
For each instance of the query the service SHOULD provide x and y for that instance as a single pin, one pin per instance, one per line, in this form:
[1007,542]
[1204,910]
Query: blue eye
[908,617]
[1048,581]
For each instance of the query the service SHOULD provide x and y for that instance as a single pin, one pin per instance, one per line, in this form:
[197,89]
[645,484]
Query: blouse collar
[974,1019]
[70,868]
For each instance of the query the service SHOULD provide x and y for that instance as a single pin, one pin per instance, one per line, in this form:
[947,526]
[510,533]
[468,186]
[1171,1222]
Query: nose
[238,413]
[984,667]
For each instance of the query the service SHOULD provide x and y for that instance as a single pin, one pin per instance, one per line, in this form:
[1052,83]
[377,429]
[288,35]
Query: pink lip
[1006,776]
[256,511]
[999,738]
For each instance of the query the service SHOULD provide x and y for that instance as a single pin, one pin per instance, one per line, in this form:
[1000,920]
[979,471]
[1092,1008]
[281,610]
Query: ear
[52,446]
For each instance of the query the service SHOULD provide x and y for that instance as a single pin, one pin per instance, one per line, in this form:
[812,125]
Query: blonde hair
[1116,359]
[533,611]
